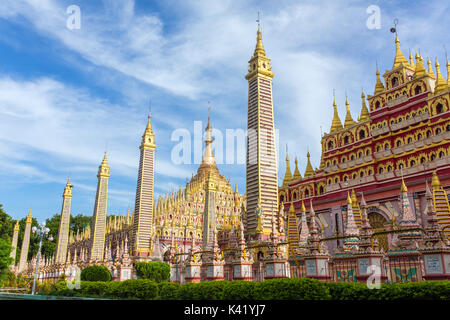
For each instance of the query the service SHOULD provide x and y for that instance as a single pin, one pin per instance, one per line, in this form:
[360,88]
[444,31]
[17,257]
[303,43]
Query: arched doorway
[376,221]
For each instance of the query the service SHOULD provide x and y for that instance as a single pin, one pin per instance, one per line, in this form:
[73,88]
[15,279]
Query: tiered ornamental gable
[403,130]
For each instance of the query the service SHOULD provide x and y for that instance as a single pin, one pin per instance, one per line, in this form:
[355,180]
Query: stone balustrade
[396,101]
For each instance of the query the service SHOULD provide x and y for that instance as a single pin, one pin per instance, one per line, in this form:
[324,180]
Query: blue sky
[67,95]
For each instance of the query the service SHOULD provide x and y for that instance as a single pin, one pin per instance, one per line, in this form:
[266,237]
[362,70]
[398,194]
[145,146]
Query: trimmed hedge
[291,289]
[168,290]
[156,271]
[96,273]
[274,289]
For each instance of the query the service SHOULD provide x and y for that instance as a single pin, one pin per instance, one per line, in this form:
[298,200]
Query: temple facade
[402,132]
[368,209]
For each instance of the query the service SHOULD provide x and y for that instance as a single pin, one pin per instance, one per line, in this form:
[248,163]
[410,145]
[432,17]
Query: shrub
[138,289]
[239,290]
[208,290]
[43,287]
[274,289]
[168,291]
[156,271]
[291,289]
[113,289]
[94,288]
[351,291]
[96,273]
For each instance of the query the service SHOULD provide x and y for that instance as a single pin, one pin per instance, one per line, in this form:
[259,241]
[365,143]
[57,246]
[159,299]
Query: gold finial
[336,123]
[309,169]
[292,209]
[348,117]
[448,72]
[259,50]
[430,69]
[297,174]
[29,218]
[105,160]
[288,174]
[303,207]
[404,188]
[354,199]
[148,138]
[17,227]
[349,200]
[379,87]
[420,67]
[411,61]
[441,84]
[364,111]
[399,57]
[435,183]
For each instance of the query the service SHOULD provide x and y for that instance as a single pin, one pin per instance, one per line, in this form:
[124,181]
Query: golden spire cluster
[336,124]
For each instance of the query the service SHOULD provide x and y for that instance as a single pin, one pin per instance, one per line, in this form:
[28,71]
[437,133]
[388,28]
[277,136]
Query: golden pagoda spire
[348,117]
[411,60]
[364,111]
[288,174]
[259,49]
[404,188]
[441,84]
[16,226]
[104,161]
[297,174]
[303,207]
[336,124]
[448,73]
[430,69]
[309,169]
[420,67]
[399,57]
[349,199]
[379,87]
[148,138]
[29,218]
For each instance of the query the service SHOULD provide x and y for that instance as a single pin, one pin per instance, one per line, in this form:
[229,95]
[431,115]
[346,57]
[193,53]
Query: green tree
[5,260]
[6,225]
[79,221]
